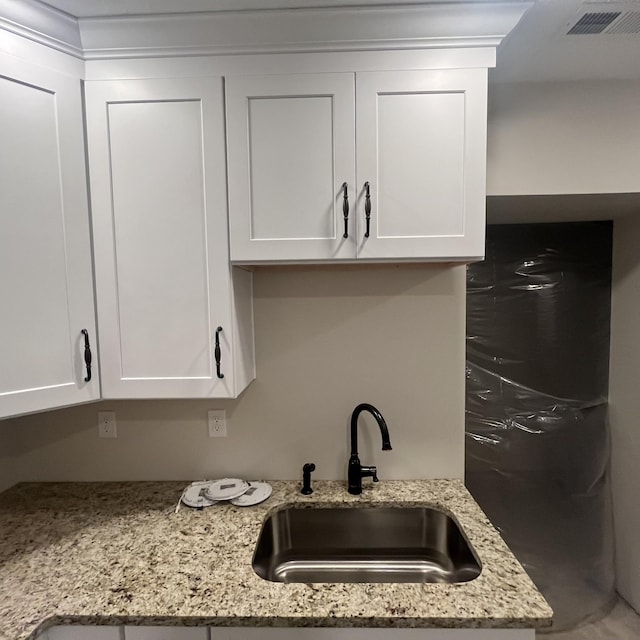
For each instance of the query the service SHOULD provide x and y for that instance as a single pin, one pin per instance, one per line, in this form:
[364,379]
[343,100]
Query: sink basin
[364,544]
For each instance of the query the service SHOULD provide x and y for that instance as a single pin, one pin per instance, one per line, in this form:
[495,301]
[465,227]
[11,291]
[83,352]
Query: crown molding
[296,31]
[43,24]
[424,26]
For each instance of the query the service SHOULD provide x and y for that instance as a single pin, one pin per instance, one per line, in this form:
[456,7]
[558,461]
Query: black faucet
[356,471]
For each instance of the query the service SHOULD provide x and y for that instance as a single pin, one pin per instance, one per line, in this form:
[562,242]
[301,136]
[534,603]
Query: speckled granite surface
[116,553]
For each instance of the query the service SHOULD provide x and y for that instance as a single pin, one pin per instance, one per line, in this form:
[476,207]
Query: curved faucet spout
[355,470]
[384,431]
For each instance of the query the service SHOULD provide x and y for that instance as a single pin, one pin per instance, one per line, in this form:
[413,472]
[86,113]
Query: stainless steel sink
[364,544]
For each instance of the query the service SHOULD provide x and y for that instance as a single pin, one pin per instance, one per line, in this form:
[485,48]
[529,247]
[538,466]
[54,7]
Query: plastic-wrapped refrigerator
[537,442]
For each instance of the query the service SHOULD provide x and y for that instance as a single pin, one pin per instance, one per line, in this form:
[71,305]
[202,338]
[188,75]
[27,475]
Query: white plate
[195,495]
[258,492]
[226,489]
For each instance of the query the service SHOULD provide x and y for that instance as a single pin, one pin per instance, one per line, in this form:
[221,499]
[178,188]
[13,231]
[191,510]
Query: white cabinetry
[165,633]
[268,633]
[163,282]
[78,632]
[421,145]
[46,286]
[414,141]
[291,146]
[291,633]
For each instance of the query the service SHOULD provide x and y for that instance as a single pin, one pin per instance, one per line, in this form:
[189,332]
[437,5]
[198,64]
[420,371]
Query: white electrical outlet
[107,424]
[217,423]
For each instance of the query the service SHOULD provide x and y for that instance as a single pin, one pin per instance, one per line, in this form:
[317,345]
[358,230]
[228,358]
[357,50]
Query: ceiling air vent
[593,22]
[606,18]
[628,23]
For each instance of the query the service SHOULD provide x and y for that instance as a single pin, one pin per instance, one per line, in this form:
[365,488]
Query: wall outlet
[217,423]
[107,424]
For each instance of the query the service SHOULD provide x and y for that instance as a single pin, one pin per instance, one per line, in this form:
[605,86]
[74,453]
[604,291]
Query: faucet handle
[369,471]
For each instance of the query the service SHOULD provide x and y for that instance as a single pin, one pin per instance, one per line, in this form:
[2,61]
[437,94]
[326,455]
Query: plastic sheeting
[537,443]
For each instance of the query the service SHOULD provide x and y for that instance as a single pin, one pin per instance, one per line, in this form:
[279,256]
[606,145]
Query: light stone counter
[116,553]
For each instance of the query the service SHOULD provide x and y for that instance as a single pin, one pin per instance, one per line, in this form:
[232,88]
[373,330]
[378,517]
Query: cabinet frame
[471,86]
[359,126]
[227,298]
[241,92]
[78,275]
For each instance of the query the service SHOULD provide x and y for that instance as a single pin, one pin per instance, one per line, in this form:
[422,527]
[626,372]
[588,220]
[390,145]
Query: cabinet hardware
[367,207]
[87,354]
[217,353]
[345,209]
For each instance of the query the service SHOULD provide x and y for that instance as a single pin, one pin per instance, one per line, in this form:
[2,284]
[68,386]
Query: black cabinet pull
[367,207]
[217,353]
[87,354]
[345,209]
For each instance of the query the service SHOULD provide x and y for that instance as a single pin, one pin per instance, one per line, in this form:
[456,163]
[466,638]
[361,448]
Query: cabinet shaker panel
[32,151]
[287,187]
[157,181]
[420,165]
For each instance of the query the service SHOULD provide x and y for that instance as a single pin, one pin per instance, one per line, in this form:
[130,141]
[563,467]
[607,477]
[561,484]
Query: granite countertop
[116,553]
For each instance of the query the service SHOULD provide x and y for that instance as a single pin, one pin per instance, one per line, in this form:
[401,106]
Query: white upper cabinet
[46,286]
[421,147]
[291,147]
[410,147]
[175,318]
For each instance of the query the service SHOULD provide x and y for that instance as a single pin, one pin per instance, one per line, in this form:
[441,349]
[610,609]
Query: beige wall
[555,138]
[624,397]
[326,340]
[584,138]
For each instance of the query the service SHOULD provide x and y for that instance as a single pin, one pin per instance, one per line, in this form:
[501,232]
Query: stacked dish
[206,493]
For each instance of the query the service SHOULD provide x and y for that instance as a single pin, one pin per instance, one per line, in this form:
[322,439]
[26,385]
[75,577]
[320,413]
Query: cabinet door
[290,149]
[305,633]
[165,633]
[163,281]
[80,632]
[46,286]
[421,146]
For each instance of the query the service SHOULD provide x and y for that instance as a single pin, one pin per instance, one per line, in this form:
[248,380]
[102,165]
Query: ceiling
[537,50]
[93,8]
